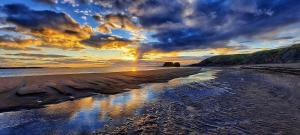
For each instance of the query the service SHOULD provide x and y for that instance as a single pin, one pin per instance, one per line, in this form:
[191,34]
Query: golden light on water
[71,107]
[116,106]
[133,69]
[113,106]
[124,104]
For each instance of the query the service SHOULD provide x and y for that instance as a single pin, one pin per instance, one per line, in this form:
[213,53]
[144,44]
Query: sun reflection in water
[89,114]
[112,106]
[124,104]
[133,69]
[70,107]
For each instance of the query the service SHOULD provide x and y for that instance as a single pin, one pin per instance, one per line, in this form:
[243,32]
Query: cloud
[116,5]
[48,1]
[173,26]
[116,21]
[14,62]
[215,21]
[48,27]
[38,55]
[129,48]
[283,38]
[50,60]
[59,30]
[193,24]
[9,42]
[154,13]
[23,16]
[101,40]
[98,17]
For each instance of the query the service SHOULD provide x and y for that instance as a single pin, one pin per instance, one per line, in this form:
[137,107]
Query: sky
[99,33]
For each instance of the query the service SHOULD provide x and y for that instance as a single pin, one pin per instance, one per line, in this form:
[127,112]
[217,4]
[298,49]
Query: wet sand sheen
[36,91]
[90,114]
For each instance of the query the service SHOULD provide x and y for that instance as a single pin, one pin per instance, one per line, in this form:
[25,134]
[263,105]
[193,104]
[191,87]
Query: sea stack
[171,64]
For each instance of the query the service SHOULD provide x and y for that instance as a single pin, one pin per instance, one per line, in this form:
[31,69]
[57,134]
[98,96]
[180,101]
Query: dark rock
[171,64]
[176,64]
[168,64]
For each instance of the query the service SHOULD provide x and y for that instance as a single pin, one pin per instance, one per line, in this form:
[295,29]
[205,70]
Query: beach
[237,101]
[149,67]
[227,100]
[36,91]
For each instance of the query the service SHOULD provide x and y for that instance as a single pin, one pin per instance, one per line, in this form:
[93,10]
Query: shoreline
[237,101]
[292,68]
[288,68]
[27,92]
[234,100]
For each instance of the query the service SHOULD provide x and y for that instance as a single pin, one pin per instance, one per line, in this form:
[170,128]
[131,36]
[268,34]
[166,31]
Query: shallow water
[87,115]
[56,71]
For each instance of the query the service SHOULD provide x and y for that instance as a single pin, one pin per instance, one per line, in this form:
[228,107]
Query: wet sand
[35,91]
[237,101]
[290,68]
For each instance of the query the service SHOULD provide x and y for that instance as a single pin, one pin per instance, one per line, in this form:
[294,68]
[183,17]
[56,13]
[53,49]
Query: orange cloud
[49,29]
[21,44]
[222,51]
[51,38]
[184,57]
[104,28]
[116,22]
[156,54]
[128,48]
[67,39]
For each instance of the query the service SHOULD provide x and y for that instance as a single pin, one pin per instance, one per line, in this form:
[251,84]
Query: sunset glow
[71,33]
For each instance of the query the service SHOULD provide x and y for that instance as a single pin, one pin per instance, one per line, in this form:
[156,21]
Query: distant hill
[289,54]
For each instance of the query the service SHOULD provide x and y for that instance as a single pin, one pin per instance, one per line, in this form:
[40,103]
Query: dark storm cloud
[209,23]
[7,37]
[25,17]
[182,24]
[157,12]
[101,39]
[284,38]
[48,28]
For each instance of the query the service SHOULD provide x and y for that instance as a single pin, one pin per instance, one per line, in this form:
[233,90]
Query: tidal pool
[87,115]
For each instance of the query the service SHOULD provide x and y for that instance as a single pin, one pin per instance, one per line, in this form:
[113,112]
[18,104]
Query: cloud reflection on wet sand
[124,104]
[89,114]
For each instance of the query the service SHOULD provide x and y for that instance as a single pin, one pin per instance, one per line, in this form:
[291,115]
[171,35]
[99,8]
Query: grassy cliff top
[288,54]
